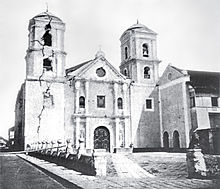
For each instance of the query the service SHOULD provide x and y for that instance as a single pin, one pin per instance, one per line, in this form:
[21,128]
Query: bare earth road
[16,173]
[19,173]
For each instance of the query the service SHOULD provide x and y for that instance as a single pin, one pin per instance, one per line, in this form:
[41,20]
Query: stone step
[127,168]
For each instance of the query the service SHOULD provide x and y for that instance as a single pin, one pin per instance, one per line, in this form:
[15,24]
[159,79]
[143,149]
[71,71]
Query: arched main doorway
[102,138]
[165,139]
[176,140]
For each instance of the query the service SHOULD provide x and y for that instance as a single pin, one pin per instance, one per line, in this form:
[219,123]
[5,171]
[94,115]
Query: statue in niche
[121,138]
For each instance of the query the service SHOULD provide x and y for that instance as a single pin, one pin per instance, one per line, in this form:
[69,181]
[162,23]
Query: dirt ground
[162,164]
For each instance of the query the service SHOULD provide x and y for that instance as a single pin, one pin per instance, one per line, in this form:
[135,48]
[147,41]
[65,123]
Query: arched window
[82,102]
[126,52]
[125,72]
[176,140]
[147,73]
[120,103]
[165,139]
[47,64]
[145,50]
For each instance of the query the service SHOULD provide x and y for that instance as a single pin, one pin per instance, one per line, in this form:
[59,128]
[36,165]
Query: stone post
[52,146]
[195,163]
[43,145]
[100,163]
[59,143]
[69,148]
[47,143]
[81,146]
[38,145]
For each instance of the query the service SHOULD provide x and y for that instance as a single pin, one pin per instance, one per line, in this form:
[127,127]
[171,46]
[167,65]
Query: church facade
[95,106]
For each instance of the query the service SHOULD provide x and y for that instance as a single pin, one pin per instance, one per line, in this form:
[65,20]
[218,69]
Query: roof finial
[100,52]
[137,21]
[47,7]
[100,47]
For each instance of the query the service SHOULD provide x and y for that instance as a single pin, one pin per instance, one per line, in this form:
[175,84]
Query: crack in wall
[47,58]
[47,93]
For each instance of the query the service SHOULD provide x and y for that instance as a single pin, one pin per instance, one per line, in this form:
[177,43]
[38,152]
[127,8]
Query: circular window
[100,72]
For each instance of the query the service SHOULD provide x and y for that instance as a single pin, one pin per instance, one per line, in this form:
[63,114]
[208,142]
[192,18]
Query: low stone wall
[86,164]
[202,166]
[179,150]
[212,165]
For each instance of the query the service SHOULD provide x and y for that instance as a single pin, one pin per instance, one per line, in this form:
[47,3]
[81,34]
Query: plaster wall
[172,106]
[51,126]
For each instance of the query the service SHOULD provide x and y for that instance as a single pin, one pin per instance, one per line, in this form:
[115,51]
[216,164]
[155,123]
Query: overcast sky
[188,35]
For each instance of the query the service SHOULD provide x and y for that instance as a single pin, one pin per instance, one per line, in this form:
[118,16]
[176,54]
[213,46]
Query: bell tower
[45,80]
[45,59]
[139,55]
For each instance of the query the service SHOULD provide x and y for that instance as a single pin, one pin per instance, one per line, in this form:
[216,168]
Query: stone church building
[94,105]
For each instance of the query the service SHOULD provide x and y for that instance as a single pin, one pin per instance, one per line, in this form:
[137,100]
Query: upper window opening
[145,50]
[82,102]
[192,99]
[101,101]
[126,52]
[214,101]
[47,38]
[125,72]
[47,64]
[147,73]
[149,104]
[169,76]
[120,103]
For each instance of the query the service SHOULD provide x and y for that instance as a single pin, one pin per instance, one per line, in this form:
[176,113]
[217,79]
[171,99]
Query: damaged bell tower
[45,79]
[45,55]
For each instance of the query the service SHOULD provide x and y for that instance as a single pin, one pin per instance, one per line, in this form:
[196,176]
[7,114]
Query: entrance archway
[176,140]
[102,138]
[165,139]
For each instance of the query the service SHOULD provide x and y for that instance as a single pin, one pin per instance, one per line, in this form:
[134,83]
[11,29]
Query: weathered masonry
[95,106]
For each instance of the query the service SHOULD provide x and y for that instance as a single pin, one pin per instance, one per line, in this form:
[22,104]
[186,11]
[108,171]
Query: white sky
[188,35]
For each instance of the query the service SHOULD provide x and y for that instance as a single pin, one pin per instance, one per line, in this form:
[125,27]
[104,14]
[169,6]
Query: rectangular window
[192,101]
[47,64]
[149,104]
[101,101]
[214,101]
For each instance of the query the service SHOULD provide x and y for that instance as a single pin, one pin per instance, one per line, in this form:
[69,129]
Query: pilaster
[115,89]
[77,87]
[117,122]
[77,131]
[87,97]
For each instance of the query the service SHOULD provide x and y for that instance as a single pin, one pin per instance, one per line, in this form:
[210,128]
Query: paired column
[77,87]
[124,99]
[86,97]
[117,125]
[115,89]
[77,131]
